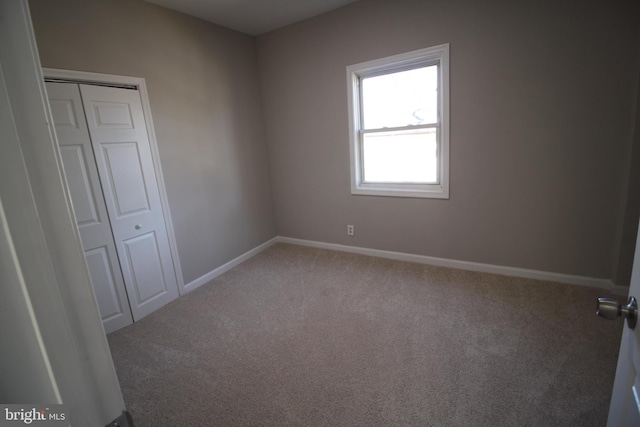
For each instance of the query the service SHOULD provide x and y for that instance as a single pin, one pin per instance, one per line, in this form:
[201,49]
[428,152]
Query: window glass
[401,157]
[401,99]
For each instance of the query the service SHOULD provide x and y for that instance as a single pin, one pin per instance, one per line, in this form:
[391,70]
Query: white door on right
[123,156]
[625,402]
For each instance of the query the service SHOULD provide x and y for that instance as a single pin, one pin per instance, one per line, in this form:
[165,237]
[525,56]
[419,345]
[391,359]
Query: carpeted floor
[310,337]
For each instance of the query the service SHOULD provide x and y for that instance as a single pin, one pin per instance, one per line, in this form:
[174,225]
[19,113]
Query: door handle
[610,309]
[138,227]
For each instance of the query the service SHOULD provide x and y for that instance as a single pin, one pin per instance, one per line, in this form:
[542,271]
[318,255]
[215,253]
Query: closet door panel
[99,263]
[88,204]
[76,165]
[144,259]
[123,156]
[125,176]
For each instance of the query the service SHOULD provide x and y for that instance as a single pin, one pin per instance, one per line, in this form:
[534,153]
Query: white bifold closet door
[107,161]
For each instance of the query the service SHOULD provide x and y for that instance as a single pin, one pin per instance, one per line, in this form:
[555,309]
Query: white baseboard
[466,265]
[228,266]
[420,259]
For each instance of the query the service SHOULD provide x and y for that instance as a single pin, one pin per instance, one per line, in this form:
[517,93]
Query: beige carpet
[310,337]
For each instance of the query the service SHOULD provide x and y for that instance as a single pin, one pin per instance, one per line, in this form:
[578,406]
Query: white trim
[428,56]
[229,265]
[465,265]
[86,76]
[420,259]
[140,83]
[12,272]
[37,208]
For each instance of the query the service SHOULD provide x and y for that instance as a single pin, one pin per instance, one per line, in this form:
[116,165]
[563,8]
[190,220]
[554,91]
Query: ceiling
[253,17]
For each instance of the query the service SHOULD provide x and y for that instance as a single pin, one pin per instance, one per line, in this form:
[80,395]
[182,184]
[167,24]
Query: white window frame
[436,55]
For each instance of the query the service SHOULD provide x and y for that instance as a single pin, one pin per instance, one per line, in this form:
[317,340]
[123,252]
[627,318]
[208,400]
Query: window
[399,124]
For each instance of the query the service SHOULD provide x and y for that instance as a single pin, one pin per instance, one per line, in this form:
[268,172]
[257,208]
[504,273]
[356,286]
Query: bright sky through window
[398,100]
[401,99]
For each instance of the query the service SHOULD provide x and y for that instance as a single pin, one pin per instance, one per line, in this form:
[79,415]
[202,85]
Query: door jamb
[140,83]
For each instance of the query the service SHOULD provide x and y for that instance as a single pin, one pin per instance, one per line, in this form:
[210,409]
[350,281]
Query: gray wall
[203,89]
[629,223]
[542,99]
[542,115]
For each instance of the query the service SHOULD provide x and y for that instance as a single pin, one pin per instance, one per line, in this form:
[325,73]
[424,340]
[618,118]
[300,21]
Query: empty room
[320,212]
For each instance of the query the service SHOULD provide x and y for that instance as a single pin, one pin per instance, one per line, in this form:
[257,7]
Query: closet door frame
[85,77]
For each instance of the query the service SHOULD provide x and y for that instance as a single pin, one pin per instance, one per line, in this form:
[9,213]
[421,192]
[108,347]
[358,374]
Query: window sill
[440,193]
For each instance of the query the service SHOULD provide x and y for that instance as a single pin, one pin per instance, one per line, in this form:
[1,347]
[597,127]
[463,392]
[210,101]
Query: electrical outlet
[351,230]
